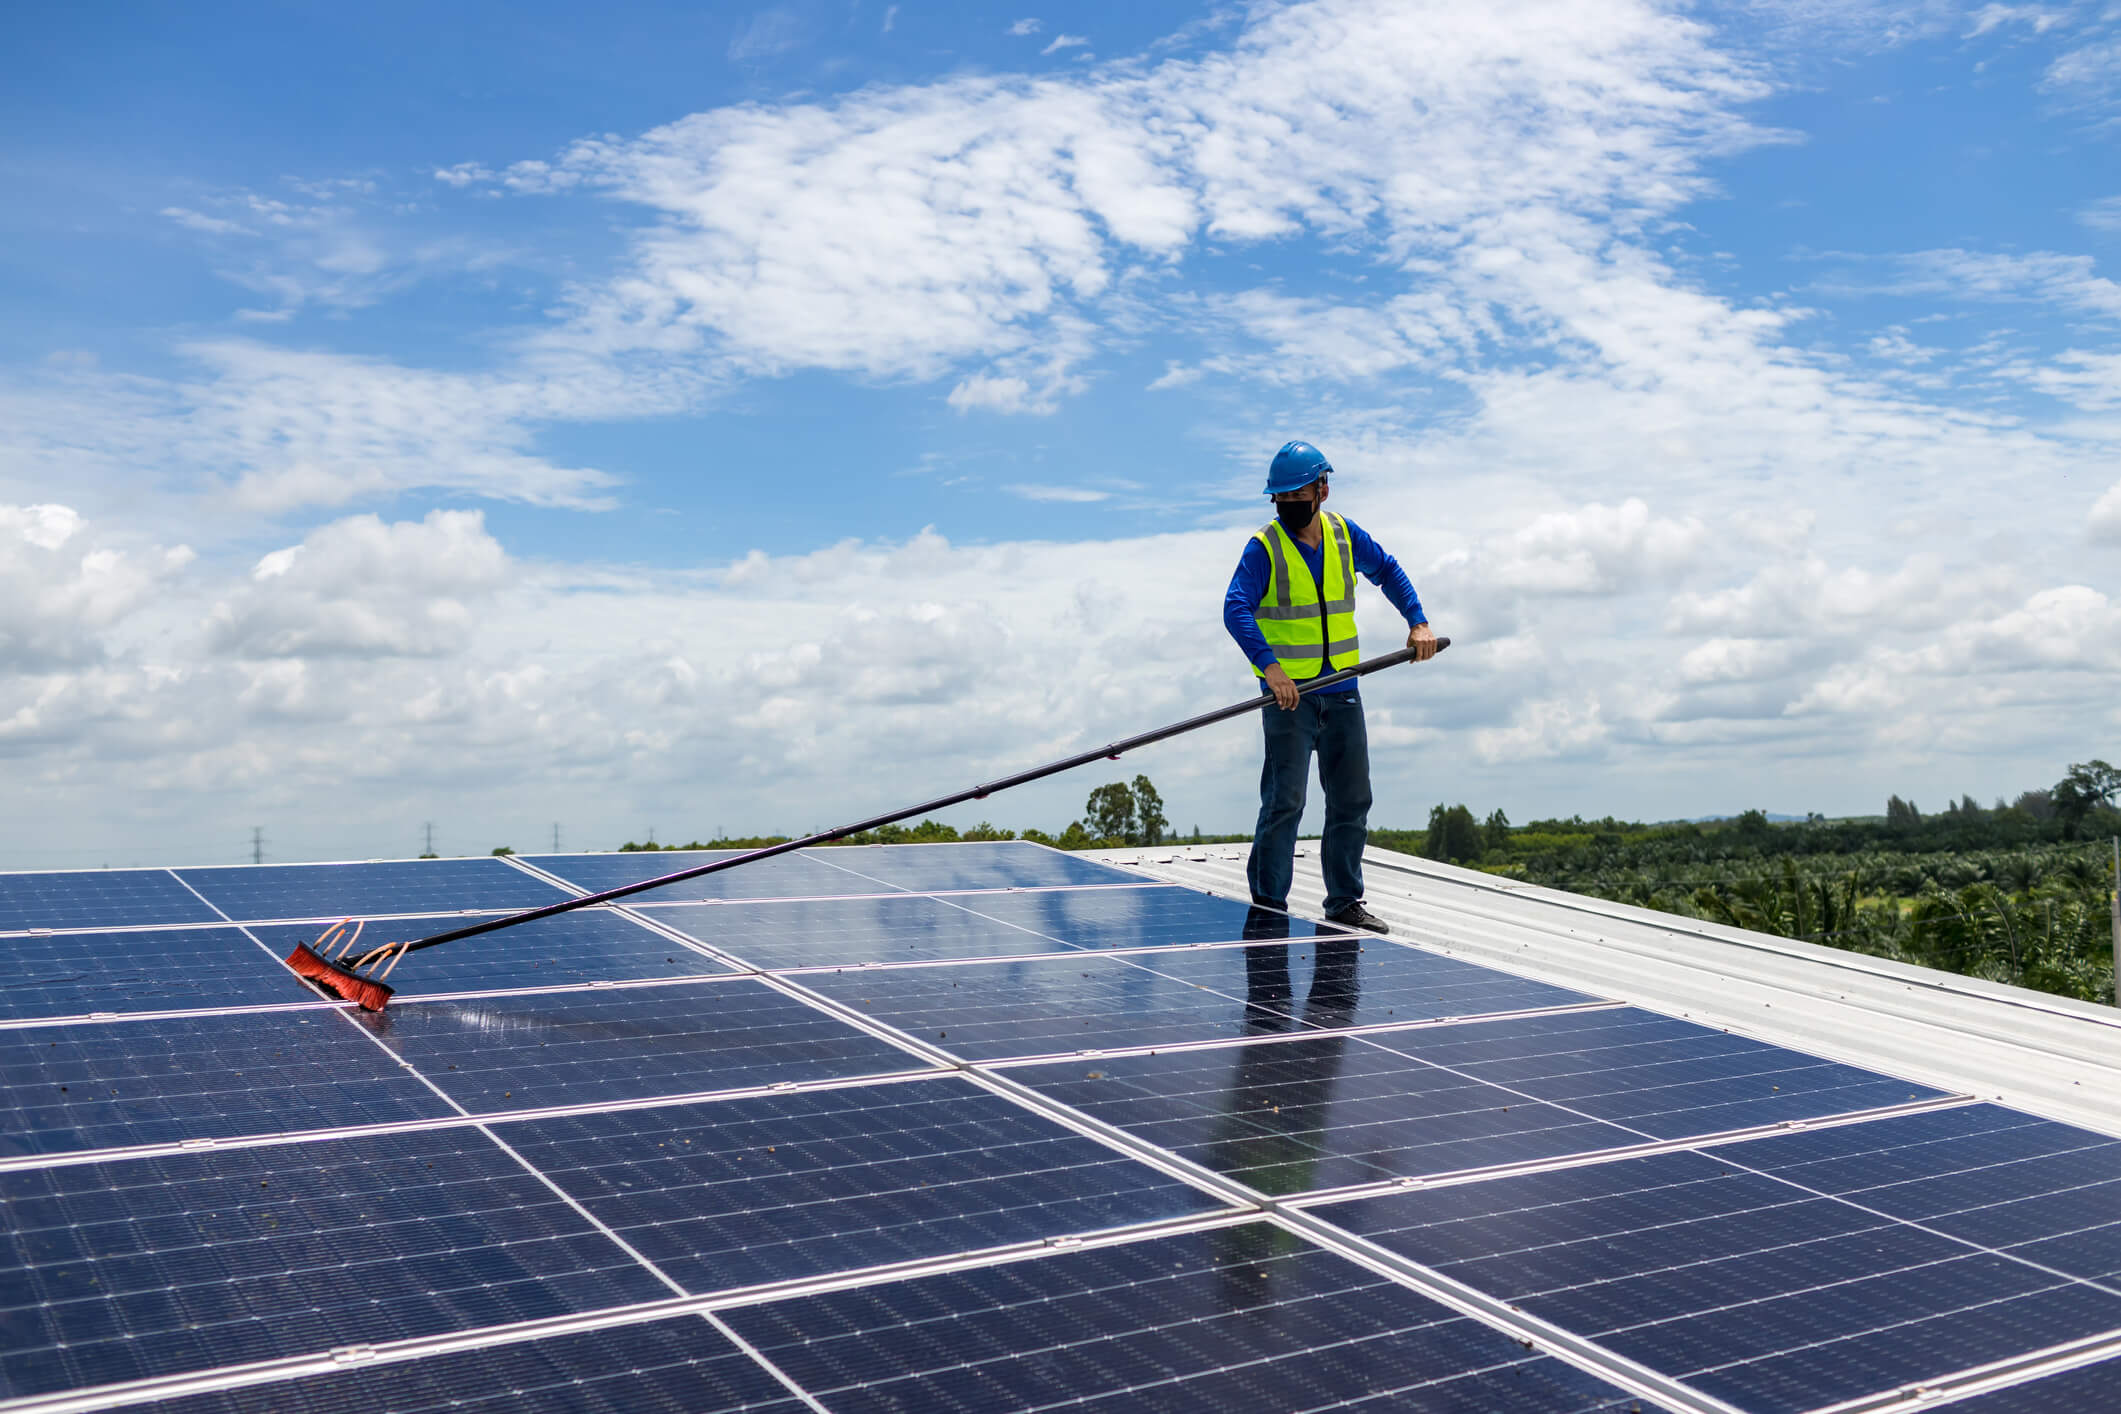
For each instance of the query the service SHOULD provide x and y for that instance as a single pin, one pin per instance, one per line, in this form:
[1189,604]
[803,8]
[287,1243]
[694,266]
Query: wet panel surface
[1037,1006]
[569,1048]
[845,932]
[1243,1318]
[588,945]
[1059,1005]
[1153,916]
[990,864]
[1666,1078]
[783,876]
[1296,1116]
[737,1192]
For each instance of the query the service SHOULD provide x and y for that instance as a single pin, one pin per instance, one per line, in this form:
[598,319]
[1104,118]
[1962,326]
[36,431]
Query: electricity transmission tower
[257,844]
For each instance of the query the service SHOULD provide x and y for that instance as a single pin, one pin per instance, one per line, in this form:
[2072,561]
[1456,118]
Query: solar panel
[1298,1116]
[682,1364]
[1662,1076]
[978,1126]
[524,1051]
[1060,1005]
[164,969]
[772,1188]
[795,875]
[156,1266]
[1244,1317]
[246,892]
[2089,1389]
[994,864]
[848,932]
[588,945]
[98,898]
[1747,1287]
[104,1085]
[1155,915]
[2044,1192]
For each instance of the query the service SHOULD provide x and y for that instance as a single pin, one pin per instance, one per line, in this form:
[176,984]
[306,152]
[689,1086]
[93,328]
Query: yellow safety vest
[1310,627]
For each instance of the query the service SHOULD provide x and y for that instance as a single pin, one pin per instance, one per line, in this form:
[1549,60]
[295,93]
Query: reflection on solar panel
[969,1127]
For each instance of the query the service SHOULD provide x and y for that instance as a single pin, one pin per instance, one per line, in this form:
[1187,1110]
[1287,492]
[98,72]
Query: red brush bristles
[337,981]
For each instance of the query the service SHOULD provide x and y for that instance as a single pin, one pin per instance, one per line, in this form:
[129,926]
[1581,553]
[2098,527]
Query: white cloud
[1543,731]
[1596,550]
[767,34]
[905,231]
[2089,381]
[363,588]
[991,394]
[1024,27]
[1064,41]
[2105,523]
[465,174]
[2103,214]
[59,591]
[339,246]
[204,224]
[1069,494]
[890,18]
[2091,71]
[2037,18]
[267,431]
[2066,281]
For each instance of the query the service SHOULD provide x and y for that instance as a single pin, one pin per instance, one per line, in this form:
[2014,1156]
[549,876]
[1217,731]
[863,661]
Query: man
[1291,608]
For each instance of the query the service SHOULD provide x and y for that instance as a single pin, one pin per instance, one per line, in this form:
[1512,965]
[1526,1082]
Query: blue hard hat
[1296,466]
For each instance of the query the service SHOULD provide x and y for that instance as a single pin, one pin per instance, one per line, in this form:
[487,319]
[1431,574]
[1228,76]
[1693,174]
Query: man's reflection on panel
[1276,1108]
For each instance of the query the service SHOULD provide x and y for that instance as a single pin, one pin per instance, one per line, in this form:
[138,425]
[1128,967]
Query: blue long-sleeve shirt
[1254,572]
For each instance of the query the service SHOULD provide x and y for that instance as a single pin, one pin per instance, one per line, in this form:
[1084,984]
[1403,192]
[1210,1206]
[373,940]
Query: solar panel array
[969,1127]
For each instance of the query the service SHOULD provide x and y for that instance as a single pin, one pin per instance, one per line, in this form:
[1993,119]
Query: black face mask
[1295,515]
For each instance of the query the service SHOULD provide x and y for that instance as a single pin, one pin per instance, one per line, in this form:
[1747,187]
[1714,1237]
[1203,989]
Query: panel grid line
[1452,1178]
[562,1194]
[1243,1202]
[76,1158]
[325,1362]
[1576,1350]
[1984,1379]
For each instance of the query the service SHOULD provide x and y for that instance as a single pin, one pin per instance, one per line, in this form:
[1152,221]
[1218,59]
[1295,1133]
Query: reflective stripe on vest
[1309,633]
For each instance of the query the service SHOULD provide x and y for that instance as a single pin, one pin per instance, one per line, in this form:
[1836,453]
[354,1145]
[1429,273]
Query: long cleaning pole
[1112,752]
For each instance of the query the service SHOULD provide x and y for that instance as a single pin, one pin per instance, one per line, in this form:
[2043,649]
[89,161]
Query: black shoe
[1356,916]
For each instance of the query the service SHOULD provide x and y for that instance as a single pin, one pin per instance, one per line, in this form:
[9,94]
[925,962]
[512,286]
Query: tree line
[1114,816]
[2017,892]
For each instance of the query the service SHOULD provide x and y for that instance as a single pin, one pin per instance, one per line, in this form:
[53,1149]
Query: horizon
[519,413]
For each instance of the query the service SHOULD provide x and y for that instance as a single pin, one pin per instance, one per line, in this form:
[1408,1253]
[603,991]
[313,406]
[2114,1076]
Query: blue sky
[523,412]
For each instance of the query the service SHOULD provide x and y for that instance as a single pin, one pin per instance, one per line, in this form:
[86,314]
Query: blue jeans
[1330,726]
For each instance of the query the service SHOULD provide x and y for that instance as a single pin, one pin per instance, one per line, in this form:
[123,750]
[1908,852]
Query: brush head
[336,981]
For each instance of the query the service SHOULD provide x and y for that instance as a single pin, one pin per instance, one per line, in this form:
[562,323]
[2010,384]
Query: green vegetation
[2015,893]
[1114,816]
